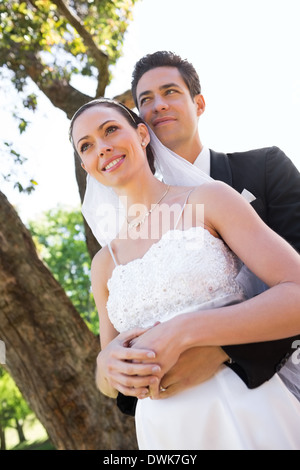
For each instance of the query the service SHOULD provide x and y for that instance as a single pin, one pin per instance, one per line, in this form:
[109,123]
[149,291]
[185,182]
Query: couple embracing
[191,319]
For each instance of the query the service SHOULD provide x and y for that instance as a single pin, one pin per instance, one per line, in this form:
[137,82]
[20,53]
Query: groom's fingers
[136,386]
[142,392]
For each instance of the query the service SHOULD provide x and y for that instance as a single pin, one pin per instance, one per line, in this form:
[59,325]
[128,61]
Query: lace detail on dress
[184,269]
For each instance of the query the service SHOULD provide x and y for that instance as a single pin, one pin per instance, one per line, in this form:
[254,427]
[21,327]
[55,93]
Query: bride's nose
[104,150]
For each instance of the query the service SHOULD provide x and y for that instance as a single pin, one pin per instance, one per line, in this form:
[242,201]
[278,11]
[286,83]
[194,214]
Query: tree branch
[126,98]
[101,59]
[59,91]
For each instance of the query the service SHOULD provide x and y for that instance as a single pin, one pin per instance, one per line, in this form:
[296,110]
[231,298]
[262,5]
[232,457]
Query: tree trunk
[20,431]
[2,438]
[50,352]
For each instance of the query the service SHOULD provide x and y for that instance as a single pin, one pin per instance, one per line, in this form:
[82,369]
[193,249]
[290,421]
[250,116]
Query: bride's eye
[84,147]
[110,130]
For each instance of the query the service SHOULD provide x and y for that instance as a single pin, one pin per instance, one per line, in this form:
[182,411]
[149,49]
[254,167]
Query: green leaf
[22,126]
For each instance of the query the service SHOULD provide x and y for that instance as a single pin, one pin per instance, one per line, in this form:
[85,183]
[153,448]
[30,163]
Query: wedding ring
[162,389]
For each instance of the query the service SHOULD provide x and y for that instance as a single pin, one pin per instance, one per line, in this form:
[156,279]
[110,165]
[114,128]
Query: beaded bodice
[184,269]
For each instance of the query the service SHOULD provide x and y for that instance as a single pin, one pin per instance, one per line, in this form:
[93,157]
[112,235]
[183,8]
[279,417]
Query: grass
[35,434]
[37,445]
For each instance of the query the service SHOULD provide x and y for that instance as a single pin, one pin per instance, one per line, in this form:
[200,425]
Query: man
[167,93]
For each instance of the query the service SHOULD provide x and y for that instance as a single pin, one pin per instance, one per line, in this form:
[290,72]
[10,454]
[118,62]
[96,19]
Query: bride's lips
[163,120]
[113,163]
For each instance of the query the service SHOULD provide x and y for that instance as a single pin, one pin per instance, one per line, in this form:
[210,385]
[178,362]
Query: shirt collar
[203,160]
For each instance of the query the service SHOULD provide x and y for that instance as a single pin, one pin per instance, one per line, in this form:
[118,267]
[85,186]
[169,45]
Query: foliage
[13,408]
[62,38]
[12,162]
[60,241]
[52,42]
[15,159]
[15,412]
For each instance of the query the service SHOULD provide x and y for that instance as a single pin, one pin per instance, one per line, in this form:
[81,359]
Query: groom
[167,93]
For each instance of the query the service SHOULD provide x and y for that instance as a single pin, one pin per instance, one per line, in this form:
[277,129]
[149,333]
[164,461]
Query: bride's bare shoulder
[210,191]
[102,264]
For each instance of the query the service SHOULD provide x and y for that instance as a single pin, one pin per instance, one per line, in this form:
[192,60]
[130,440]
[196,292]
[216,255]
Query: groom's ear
[200,104]
[143,133]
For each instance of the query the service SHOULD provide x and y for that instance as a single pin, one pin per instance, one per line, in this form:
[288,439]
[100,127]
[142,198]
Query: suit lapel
[219,167]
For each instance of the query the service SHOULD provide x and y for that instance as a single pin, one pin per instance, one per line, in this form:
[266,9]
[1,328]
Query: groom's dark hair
[166,59]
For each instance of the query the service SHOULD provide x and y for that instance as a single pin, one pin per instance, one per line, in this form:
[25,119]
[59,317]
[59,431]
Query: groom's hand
[194,366]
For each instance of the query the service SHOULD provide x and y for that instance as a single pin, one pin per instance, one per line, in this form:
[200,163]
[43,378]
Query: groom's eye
[171,91]
[144,100]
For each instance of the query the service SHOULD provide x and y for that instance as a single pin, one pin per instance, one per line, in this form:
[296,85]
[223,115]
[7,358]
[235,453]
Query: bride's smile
[113,163]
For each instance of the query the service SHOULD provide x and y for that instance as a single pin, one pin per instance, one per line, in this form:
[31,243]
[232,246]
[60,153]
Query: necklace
[140,222]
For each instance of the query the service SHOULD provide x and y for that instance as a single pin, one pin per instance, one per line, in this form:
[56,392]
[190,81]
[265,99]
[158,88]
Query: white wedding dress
[184,271]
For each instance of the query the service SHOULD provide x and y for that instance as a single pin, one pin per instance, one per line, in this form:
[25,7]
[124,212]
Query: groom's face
[166,105]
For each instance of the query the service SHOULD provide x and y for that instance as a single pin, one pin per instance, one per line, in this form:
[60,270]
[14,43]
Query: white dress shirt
[203,160]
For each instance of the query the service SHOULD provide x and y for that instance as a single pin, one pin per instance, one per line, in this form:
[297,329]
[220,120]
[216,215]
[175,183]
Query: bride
[173,254]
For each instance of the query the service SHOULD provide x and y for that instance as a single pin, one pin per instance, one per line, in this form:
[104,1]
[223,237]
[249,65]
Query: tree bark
[126,98]
[50,352]
[2,438]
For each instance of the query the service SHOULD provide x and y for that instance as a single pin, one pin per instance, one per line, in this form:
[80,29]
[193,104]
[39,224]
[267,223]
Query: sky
[247,56]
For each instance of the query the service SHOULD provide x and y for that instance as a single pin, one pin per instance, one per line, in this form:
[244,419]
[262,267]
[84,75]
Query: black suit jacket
[275,182]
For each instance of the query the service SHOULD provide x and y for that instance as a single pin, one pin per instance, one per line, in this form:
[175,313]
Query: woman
[173,263]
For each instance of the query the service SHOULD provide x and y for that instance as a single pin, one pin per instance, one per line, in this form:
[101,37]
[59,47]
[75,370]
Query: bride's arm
[271,315]
[119,368]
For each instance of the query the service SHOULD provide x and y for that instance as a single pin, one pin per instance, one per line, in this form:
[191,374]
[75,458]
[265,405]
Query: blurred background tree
[13,409]
[54,42]
[59,237]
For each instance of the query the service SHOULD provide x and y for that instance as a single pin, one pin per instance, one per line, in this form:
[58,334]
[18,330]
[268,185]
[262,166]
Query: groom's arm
[283,196]
[280,182]
[255,363]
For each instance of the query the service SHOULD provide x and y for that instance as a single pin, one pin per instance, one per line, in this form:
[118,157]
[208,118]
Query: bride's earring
[143,144]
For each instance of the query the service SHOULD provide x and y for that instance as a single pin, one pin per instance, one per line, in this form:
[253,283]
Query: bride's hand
[127,369]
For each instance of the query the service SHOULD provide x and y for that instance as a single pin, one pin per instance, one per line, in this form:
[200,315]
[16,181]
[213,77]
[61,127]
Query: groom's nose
[160,104]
